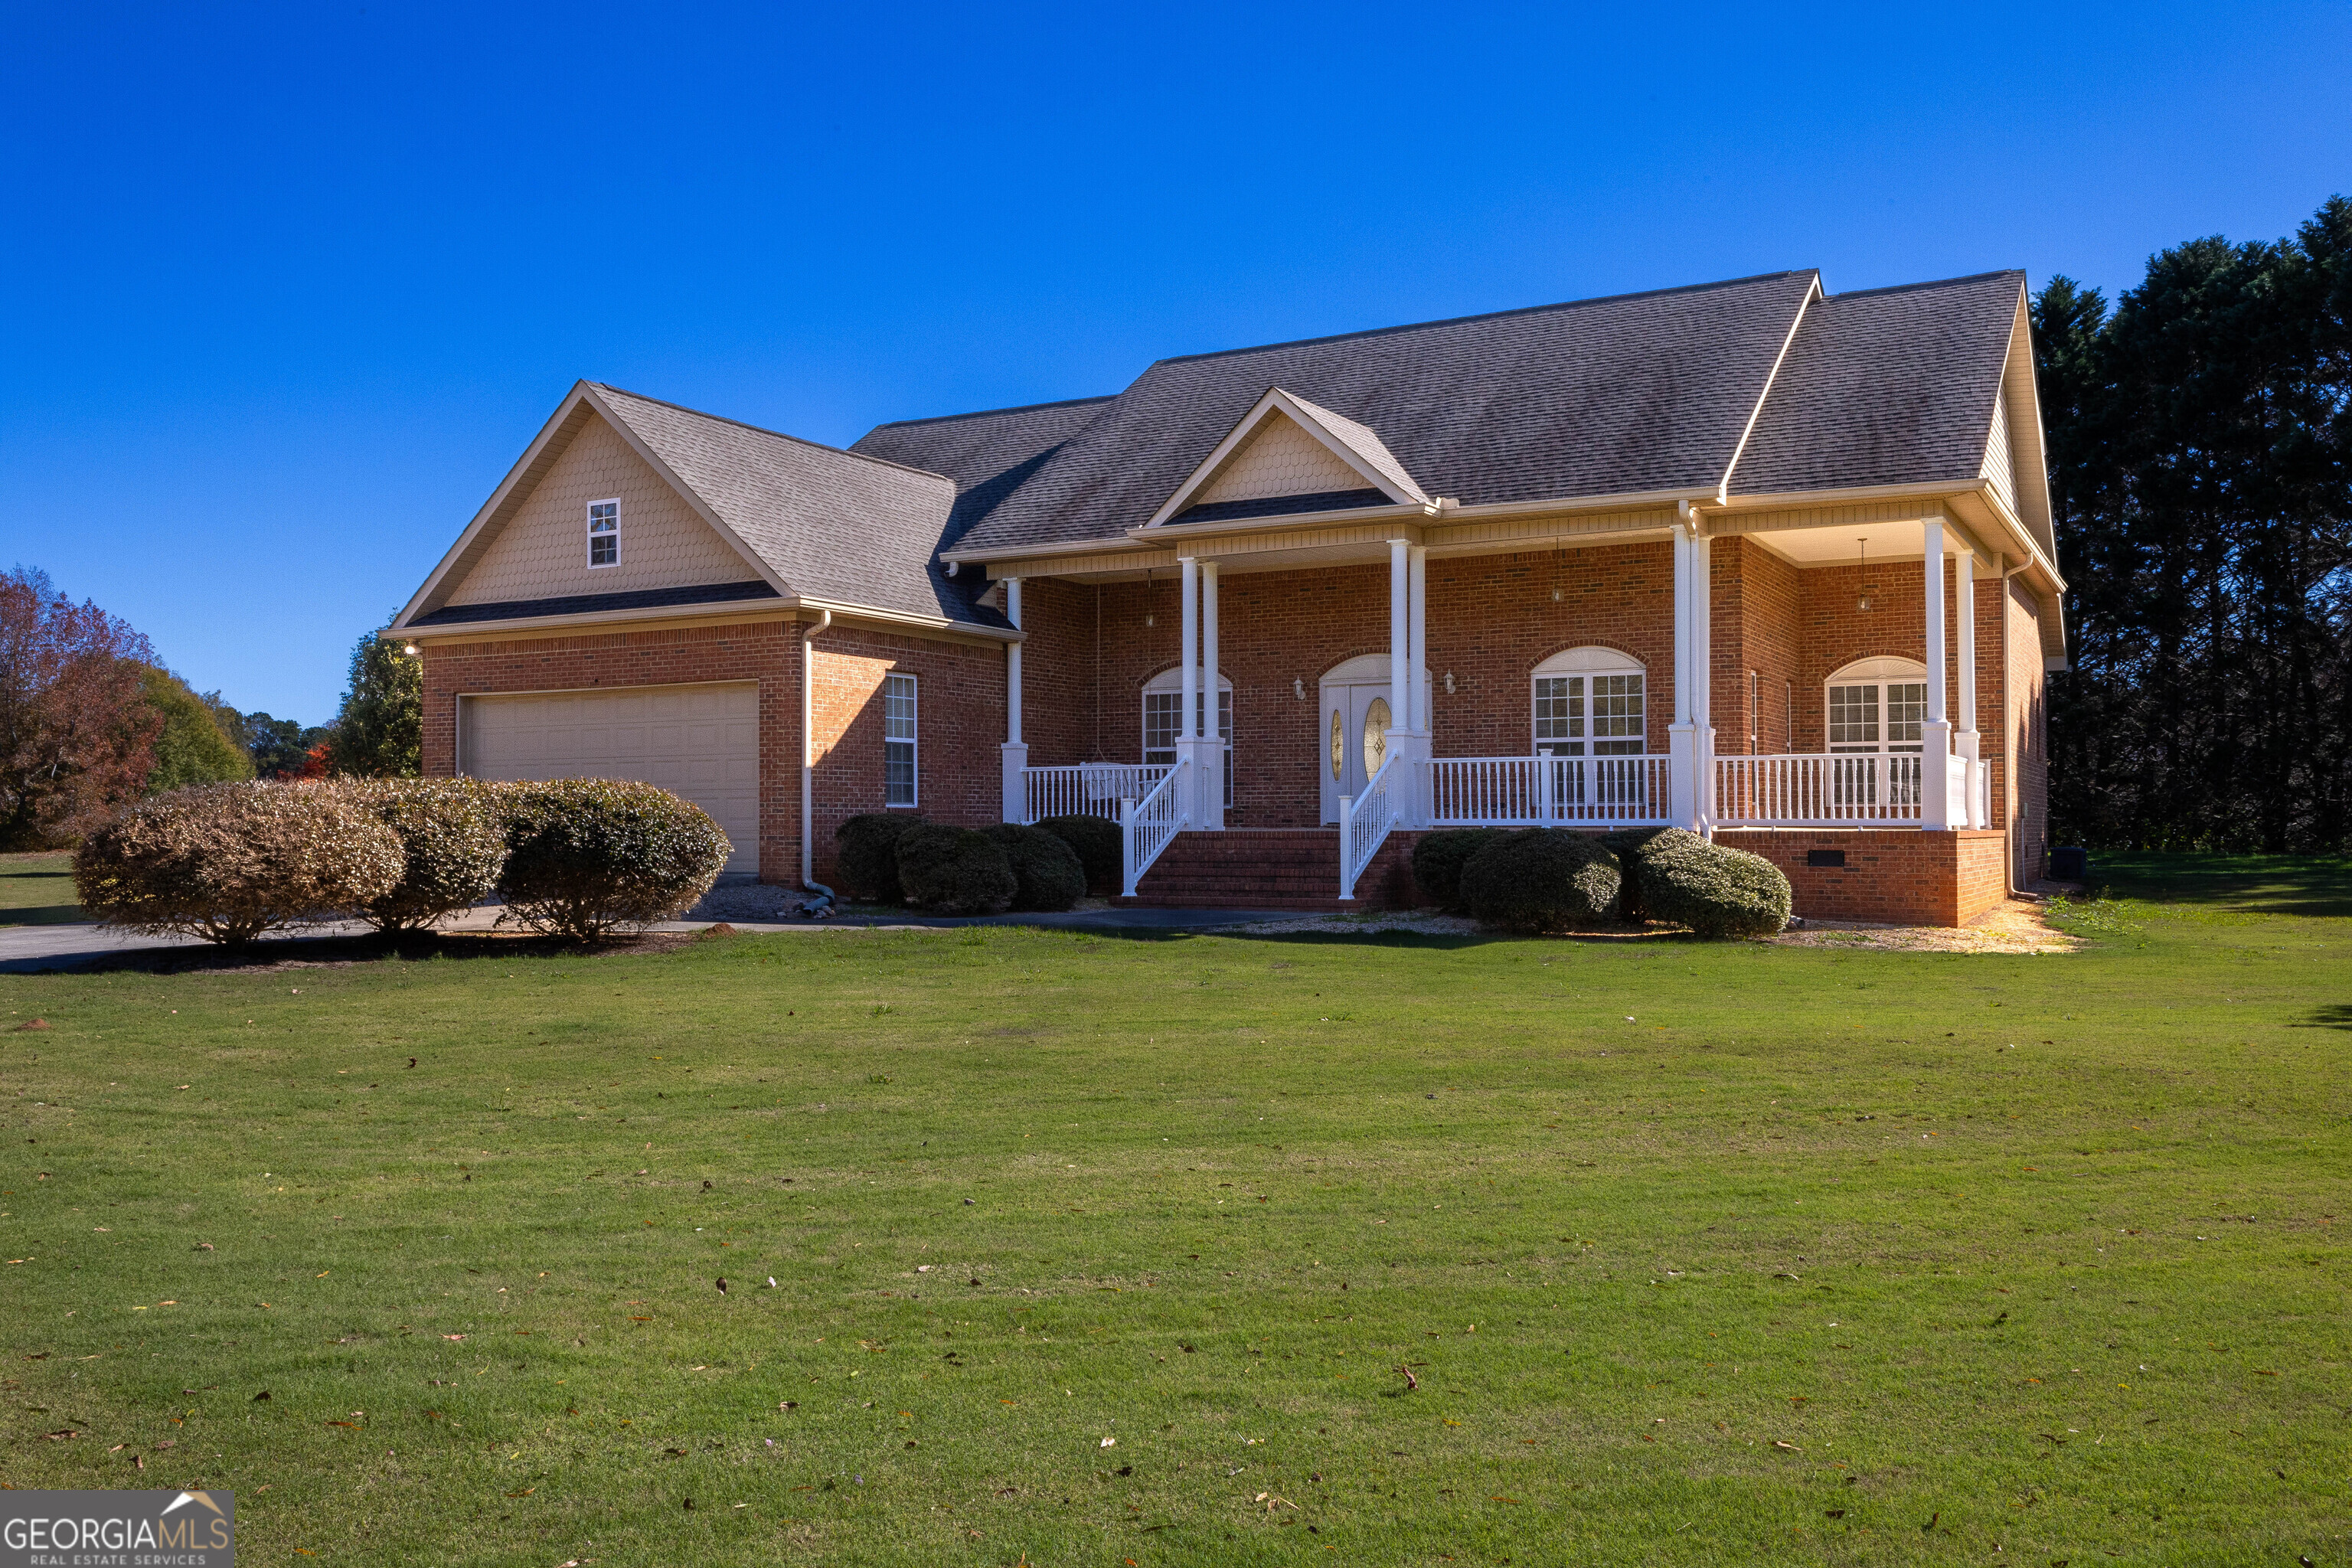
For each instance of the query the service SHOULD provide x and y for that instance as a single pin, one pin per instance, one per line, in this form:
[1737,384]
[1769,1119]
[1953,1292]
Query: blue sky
[287,289]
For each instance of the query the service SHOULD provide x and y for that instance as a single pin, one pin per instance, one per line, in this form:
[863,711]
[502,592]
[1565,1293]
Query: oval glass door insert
[1339,742]
[1376,736]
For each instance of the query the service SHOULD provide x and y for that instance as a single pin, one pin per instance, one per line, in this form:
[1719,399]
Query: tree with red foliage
[77,733]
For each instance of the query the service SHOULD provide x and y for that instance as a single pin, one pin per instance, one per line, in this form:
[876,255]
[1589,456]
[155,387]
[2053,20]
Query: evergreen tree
[379,731]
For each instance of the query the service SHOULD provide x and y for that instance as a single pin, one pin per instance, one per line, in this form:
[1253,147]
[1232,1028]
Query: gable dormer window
[604,533]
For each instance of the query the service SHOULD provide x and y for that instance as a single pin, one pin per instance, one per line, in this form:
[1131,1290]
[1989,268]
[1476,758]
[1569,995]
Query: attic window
[604,533]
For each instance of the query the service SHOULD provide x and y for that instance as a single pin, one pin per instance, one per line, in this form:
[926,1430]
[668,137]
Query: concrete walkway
[28,950]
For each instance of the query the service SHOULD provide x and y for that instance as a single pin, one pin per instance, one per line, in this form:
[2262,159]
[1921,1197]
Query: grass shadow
[2313,886]
[2337,1015]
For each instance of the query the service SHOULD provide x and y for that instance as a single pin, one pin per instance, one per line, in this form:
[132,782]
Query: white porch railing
[1548,792]
[1364,823]
[1818,790]
[1088,789]
[1148,826]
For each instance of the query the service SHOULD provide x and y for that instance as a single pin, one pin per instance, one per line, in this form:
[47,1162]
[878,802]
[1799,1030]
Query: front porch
[1610,740]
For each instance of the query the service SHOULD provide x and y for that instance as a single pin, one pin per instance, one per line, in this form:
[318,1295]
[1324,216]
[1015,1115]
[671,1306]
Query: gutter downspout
[2008,818]
[808,754]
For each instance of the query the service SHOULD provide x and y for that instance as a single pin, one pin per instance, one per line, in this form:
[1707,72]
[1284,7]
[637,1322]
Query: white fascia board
[1316,422]
[489,509]
[738,610]
[1740,449]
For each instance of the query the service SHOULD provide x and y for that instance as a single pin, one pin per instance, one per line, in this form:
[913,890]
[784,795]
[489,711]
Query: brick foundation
[1896,876]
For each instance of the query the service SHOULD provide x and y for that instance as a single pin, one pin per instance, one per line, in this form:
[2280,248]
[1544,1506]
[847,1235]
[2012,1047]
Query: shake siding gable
[541,551]
[1280,460]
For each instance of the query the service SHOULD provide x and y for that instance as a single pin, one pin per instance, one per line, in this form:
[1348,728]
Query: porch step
[1273,869]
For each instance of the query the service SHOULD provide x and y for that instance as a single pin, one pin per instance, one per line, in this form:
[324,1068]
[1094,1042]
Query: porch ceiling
[1842,545]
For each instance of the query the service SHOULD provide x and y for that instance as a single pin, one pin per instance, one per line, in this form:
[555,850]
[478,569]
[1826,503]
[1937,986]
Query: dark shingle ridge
[2016,272]
[990,414]
[1493,315]
[763,430]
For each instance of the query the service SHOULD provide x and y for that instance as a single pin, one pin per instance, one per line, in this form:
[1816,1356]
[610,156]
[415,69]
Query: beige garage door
[699,742]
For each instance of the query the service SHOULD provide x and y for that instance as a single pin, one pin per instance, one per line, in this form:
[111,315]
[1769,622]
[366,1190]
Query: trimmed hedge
[1626,845]
[1542,879]
[1095,841]
[866,861]
[1438,858]
[452,841]
[955,871]
[587,856]
[1715,889]
[229,861]
[1046,871]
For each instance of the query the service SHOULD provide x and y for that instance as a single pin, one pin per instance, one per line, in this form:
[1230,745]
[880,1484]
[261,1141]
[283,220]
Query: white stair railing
[1818,790]
[1149,824]
[1364,823]
[1546,791]
[1087,789]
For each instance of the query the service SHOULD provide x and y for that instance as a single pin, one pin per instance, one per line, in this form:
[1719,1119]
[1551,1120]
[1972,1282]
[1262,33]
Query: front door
[1354,741]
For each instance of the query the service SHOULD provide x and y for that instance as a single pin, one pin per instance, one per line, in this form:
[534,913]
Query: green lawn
[36,890]
[1698,1253]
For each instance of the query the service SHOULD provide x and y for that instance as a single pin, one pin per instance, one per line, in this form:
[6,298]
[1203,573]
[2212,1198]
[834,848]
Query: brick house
[1768,563]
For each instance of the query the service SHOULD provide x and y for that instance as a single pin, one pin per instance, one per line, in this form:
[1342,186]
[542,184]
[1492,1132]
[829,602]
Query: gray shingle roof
[989,455]
[836,525]
[1638,392]
[1886,387]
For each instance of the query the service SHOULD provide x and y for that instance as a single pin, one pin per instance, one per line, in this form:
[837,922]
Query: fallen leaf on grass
[1791,1447]
[453,1336]
[525,1492]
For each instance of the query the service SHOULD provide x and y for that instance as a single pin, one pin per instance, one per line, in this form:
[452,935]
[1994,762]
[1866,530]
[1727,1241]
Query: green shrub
[1713,888]
[453,842]
[1095,841]
[955,871]
[1542,879]
[1438,858]
[1626,845]
[1046,870]
[866,861]
[229,861]
[587,856]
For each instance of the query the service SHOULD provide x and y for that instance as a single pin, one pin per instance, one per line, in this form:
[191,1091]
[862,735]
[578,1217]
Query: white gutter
[808,754]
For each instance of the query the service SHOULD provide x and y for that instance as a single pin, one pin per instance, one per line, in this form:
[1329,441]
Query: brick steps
[1272,868]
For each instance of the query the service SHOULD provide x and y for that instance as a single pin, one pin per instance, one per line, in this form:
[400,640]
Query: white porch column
[1189,748]
[1965,739]
[1016,753]
[1413,811]
[1189,647]
[1399,638]
[1683,739]
[1703,663]
[1936,735]
[1212,812]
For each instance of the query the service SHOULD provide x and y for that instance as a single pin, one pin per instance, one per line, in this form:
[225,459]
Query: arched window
[1876,705]
[1163,701]
[1590,702]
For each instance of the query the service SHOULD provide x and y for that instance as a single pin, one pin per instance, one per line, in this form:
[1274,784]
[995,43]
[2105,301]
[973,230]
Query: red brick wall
[1755,613]
[1899,878]
[959,724]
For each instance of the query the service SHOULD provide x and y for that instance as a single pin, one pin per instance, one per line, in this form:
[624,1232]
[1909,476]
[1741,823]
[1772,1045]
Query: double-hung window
[604,533]
[899,774]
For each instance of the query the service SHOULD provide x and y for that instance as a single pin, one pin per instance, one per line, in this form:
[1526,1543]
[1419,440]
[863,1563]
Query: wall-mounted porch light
[1298,689]
[1449,683]
[409,648]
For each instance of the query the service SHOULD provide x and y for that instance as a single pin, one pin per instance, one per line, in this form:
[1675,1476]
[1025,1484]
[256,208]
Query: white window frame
[1583,665]
[597,536]
[912,696]
[1170,683]
[1881,673]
